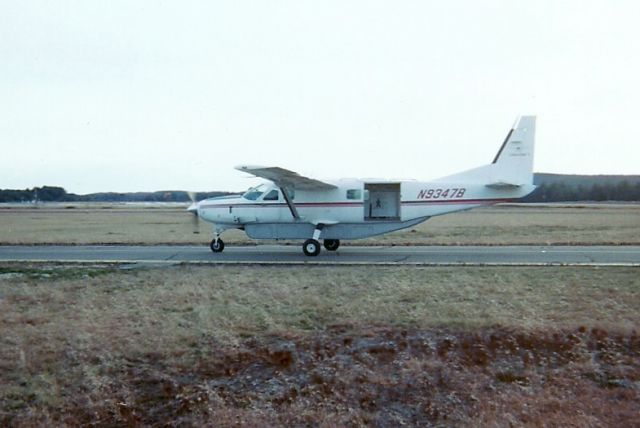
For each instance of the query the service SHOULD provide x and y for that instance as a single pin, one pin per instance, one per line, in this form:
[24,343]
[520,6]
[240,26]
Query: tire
[217,246]
[331,244]
[311,247]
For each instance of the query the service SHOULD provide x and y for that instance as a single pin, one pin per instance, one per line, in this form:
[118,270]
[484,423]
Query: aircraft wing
[285,178]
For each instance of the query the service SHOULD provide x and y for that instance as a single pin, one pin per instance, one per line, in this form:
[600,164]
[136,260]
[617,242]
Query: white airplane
[291,206]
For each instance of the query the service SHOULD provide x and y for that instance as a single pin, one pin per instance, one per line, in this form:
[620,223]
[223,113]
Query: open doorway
[382,201]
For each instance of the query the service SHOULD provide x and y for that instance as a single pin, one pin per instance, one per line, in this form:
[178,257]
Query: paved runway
[282,254]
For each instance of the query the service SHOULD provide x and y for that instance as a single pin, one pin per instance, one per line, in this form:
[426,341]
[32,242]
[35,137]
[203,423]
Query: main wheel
[217,245]
[331,244]
[311,247]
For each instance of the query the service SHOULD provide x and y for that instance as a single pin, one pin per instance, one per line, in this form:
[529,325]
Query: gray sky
[151,95]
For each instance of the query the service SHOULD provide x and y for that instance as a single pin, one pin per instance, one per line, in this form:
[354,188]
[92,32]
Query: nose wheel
[217,245]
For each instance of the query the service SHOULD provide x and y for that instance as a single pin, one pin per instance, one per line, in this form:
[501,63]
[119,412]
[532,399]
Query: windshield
[255,192]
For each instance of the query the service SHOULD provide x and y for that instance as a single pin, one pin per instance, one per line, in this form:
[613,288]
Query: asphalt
[349,255]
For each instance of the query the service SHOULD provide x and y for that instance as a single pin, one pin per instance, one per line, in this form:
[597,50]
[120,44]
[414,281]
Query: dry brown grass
[504,224]
[321,346]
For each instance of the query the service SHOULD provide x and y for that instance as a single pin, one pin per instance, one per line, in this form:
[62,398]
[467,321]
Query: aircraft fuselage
[354,209]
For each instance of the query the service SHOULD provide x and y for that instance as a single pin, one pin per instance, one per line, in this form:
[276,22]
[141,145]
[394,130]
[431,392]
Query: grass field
[255,346]
[314,346]
[498,225]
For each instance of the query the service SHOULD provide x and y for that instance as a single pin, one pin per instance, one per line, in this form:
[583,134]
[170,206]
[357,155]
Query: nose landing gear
[217,245]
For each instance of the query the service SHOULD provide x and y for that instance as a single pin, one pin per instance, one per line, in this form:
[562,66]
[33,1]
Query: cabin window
[354,194]
[271,196]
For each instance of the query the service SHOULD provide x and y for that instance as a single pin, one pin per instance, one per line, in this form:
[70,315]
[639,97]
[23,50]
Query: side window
[354,194]
[271,196]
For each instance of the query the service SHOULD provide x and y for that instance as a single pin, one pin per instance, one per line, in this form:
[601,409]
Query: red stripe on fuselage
[456,201]
[276,205]
[359,204]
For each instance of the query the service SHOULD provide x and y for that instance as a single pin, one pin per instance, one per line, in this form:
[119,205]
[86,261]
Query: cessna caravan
[291,206]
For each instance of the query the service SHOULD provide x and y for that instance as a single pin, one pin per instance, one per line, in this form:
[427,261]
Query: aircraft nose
[219,210]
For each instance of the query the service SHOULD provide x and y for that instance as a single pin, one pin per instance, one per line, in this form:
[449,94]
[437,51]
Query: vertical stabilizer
[513,165]
[514,161]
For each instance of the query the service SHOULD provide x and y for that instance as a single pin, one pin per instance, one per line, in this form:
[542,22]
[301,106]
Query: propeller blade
[195,223]
[193,208]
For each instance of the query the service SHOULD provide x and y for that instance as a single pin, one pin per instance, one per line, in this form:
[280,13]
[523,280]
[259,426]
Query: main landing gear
[331,244]
[311,247]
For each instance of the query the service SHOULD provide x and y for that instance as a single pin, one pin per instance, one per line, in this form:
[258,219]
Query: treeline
[45,194]
[597,188]
[551,188]
[58,194]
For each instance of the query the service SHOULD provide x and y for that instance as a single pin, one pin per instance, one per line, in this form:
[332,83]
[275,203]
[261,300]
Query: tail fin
[514,161]
[513,165]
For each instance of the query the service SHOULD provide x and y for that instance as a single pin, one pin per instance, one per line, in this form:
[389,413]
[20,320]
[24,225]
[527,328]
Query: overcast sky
[154,95]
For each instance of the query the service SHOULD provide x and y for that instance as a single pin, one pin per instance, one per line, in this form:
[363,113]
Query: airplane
[291,206]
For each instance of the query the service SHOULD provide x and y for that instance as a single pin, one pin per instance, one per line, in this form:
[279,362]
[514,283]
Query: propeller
[193,208]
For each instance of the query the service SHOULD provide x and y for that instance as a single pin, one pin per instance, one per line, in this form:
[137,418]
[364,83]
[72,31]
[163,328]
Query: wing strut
[292,207]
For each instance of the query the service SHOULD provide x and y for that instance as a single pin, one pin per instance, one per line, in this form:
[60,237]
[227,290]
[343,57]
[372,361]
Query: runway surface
[289,254]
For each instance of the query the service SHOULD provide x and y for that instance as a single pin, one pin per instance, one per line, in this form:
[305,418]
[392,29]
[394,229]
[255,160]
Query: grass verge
[498,225]
[332,346]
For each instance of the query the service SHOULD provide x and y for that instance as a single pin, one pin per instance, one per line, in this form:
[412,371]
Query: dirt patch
[383,377]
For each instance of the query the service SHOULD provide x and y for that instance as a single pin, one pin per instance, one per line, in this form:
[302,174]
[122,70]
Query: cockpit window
[271,196]
[255,192]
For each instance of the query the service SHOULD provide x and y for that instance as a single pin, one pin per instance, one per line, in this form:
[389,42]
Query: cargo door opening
[382,201]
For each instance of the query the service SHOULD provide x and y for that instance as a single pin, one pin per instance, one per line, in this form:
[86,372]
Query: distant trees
[58,194]
[16,195]
[551,188]
[564,192]
[51,194]
[46,193]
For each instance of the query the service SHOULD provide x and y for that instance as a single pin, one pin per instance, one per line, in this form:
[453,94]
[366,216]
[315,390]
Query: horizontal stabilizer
[503,185]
